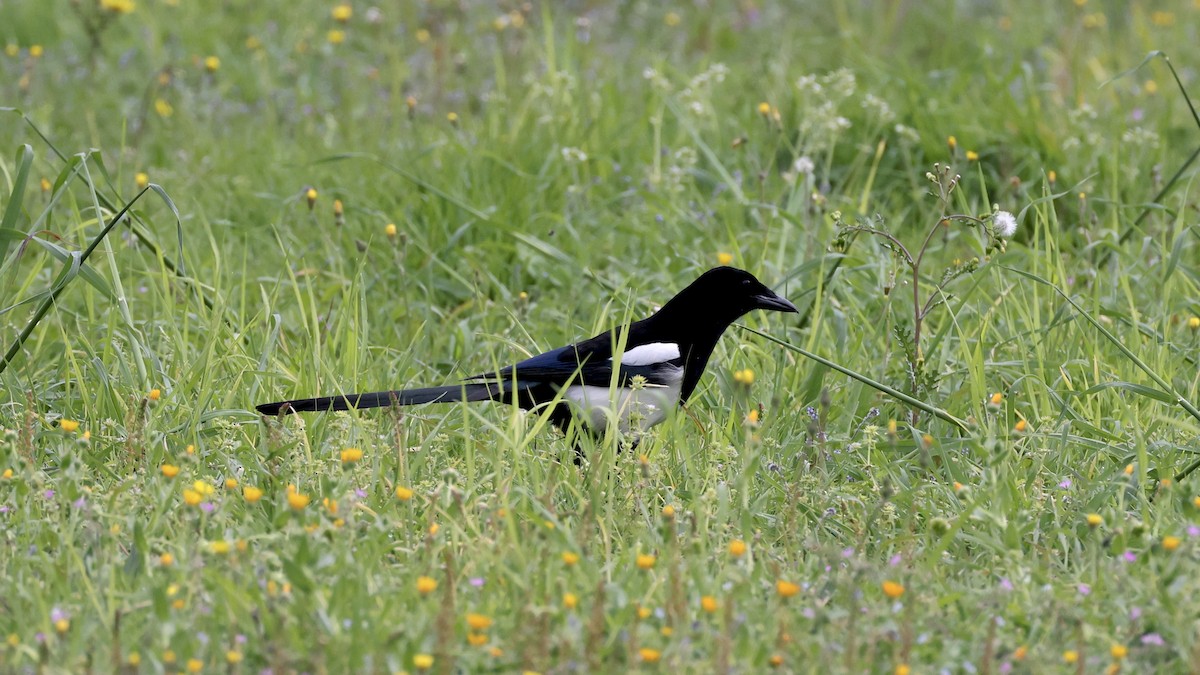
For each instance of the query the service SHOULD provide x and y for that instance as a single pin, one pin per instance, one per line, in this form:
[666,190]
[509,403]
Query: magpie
[664,356]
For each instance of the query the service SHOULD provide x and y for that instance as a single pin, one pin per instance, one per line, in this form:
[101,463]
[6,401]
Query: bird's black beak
[774,302]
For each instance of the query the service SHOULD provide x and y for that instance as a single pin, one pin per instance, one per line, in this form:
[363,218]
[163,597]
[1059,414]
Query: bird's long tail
[378,399]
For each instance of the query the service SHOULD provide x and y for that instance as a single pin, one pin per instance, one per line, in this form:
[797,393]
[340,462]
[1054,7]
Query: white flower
[804,165]
[574,155]
[1004,223]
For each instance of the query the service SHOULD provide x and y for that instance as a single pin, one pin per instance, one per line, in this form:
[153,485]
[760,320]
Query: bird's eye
[745,282]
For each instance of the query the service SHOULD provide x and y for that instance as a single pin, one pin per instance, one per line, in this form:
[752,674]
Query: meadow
[970,452]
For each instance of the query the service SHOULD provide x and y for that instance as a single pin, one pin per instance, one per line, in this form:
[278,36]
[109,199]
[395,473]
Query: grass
[551,171]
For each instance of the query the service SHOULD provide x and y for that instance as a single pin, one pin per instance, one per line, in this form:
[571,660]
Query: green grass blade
[12,210]
[874,384]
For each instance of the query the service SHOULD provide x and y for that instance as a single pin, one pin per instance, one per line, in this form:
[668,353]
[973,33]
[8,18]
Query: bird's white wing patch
[650,354]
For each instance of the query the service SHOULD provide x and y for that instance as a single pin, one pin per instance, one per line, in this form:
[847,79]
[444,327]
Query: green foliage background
[551,170]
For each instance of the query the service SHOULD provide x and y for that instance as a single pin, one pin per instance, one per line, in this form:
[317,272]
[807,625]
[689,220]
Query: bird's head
[724,294]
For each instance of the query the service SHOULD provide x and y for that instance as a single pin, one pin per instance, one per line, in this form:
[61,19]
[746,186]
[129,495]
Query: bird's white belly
[648,405]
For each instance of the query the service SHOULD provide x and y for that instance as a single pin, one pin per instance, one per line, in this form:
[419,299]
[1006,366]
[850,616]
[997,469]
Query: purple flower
[895,560]
[1193,531]
[1005,668]
[48,494]
[1005,584]
[79,503]
[1153,639]
[477,582]
[4,509]
[57,615]
[1129,556]
[1135,613]
[848,552]
[1065,484]
[240,639]
[208,507]
[360,493]
[1084,589]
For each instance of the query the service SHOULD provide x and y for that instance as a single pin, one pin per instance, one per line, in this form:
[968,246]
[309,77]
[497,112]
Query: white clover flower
[804,165]
[1004,223]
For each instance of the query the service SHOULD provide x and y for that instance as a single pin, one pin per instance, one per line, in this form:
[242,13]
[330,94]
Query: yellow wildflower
[646,561]
[1171,542]
[737,548]
[996,399]
[452,117]
[570,558]
[298,501]
[251,493]
[786,589]
[141,179]
[570,600]
[169,470]
[390,229]
[1118,651]
[311,196]
[8,474]
[191,497]
[212,64]
[477,639]
[478,622]
[709,604]
[233,656]
[644,613]
[1194,323]
[342,13]
[36,51]
[649,655]
[724,258]
[1021,426]
[1094,520]
[426,585]
[69,426]
[166,560]
[902,669]
[422,661]
[972,156]
[219,547]
[351,455]
[195,665]
[893,589]
[668,511]
[117,6]
[1070,656]
[62,625]
[231,483]
[403,494]
[336,37]
[203,488]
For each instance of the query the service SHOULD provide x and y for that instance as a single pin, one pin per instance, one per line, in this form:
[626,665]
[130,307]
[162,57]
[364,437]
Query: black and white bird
[664,356]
